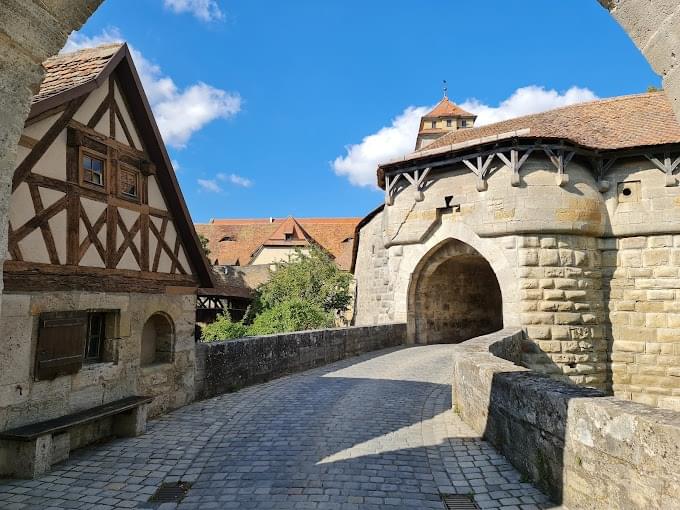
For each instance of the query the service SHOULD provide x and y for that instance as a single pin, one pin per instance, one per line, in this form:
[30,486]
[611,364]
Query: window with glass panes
[95,337]
[129,183]
[93,170]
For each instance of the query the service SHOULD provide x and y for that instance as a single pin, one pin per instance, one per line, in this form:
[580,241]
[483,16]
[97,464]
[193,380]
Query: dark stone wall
[222,367]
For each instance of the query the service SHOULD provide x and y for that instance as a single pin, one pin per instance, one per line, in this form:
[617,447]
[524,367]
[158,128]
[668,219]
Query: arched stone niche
[158,339]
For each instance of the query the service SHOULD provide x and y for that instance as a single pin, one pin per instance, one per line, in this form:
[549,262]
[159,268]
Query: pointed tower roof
[446,108]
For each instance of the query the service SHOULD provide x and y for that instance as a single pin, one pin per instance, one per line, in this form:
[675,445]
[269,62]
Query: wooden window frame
[433,124]
[449,123]
[89,358]
[83,151]
[124,167]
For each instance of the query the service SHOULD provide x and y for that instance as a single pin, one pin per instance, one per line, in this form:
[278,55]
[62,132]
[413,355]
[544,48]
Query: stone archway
[454,295]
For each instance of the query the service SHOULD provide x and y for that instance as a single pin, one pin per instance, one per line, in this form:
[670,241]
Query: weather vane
[446,89]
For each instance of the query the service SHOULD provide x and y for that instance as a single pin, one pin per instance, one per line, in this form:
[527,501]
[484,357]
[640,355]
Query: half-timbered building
[100,288]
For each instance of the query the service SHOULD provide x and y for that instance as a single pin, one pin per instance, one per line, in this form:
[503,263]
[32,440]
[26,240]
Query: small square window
[288,236]
[96,333]
[93,170]
[129,183]
[449,122]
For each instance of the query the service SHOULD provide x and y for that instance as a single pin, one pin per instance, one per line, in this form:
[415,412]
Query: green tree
[292,315]
[309,276]
[223,329]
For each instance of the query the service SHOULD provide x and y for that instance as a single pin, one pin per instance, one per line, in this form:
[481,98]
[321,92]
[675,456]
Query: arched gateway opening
[454,296]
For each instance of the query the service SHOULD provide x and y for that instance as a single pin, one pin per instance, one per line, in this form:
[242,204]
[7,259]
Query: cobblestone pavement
[371,432]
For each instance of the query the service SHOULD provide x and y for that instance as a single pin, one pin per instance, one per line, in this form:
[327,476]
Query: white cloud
[179,113]
[209,185]
[525,101]
[236,179]
[361,160]
[206,10]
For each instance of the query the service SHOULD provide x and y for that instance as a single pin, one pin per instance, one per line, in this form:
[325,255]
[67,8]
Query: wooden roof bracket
[668,166]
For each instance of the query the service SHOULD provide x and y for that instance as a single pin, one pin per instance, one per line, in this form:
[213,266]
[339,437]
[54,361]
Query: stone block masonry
[643,298]
[584,449]
[222,367]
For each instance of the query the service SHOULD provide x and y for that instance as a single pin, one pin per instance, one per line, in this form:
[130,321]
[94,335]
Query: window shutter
[61,344]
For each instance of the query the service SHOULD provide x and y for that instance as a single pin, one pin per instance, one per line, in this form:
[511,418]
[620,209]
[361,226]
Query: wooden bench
[31,450]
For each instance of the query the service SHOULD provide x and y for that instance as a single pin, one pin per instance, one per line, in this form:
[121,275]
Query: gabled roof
[73,75]
[625,122]
[69,70]
[235,240]
[446,108]
[288,230]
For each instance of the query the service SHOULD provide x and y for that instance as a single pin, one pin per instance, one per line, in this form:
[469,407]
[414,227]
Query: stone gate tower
[564,223]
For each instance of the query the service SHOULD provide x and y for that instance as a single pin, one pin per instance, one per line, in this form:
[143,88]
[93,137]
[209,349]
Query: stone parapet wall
[562,307]
[584,449]
[222,367]
[642,289]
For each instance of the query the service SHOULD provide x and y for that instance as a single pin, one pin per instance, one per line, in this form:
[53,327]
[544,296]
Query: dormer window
[449,122]
[227,238]
[463,123]
[289,236]
[434,124]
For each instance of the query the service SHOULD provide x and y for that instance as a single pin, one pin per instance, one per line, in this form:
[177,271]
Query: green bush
[223,329]
[292,315]
[309,276]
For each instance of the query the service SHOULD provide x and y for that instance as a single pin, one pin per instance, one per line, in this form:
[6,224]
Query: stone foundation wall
[24,400]
[227,366]
[642,276]
[585,450]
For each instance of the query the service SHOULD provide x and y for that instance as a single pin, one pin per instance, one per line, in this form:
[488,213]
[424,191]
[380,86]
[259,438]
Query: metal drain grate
[171,492]
[458,502]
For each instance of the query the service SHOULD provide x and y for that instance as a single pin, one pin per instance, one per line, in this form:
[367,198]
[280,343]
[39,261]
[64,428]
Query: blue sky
[260,101]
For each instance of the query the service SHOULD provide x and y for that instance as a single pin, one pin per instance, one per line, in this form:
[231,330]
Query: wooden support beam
[668,166]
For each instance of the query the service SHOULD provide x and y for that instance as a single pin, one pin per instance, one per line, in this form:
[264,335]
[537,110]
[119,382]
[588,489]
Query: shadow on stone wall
[584,449]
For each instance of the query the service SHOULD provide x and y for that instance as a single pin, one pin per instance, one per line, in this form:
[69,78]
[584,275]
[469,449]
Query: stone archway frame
[492,249]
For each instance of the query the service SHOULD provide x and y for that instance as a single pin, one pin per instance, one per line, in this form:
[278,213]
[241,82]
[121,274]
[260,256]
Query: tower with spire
[444,118]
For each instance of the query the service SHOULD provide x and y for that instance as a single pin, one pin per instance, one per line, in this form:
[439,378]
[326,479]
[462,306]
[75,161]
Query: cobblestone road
[371,432]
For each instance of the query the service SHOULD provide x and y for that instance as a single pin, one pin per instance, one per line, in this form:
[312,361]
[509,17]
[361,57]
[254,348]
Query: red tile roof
[234,241]
[69,70]
[616,123]
[624,122]
[446,108]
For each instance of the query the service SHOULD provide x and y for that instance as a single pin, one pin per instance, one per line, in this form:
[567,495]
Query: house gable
[125,216]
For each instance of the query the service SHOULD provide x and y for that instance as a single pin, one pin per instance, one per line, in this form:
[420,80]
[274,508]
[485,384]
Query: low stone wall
[584,449]
[227,366]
